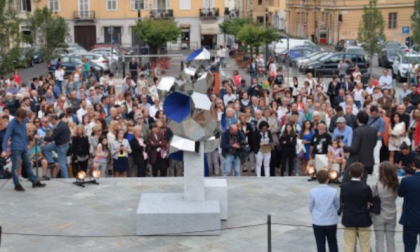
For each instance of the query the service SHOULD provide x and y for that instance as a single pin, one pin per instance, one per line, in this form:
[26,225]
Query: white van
[281,46]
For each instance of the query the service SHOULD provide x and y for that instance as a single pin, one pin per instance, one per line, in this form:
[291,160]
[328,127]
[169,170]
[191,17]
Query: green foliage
[10,36]
[48,30]
[233,27]
[415,25]
[157,32]
[255,36]
[371,29]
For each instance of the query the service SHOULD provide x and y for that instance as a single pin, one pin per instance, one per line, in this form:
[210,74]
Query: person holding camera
[120,149]
[231,147]
[262,148]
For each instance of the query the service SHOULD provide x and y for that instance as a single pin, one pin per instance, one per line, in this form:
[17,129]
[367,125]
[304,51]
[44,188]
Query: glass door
[84,9]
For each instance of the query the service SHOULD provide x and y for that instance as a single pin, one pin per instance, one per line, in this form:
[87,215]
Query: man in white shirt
[370,87]
[82,111]
[59,78]
[155,108]
[229,96]
[403,93]
[386,80]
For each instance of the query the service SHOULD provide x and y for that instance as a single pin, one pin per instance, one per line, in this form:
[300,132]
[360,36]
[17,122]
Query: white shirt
[385,82]
[358,95]
[76,77]
[59,75]
[222,53]
[152,111]
[227,98]
[369,90]
[80,113]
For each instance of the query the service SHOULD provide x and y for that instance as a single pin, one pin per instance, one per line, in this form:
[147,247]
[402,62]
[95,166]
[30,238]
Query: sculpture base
[170,214]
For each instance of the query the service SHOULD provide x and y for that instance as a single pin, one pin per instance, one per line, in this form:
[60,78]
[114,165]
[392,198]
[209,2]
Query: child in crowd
[336,155]
[38,160]
[101,156]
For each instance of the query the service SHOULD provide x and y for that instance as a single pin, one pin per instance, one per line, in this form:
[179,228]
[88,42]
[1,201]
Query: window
[260,20]
[54,5]
[185,5]
[111,5]
[26,5]
[392,20]
[65,59]
[208,4]
[260,2]
[144,4]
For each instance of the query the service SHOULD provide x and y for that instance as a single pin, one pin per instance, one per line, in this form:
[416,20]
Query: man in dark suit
[361,149]
[410,218]
[356,199]
[138,147]
[341,97]
[347,85]
[60,137]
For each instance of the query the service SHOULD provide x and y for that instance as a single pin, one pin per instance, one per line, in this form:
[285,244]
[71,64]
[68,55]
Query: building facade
[101,21]
[256,9]
[328,21]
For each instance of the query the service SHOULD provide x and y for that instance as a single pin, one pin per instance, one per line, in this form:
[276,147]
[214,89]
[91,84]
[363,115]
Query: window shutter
[155,4]
[133,5]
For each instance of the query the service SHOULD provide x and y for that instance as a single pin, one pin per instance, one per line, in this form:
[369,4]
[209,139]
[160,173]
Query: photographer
[405,157]
[343,132]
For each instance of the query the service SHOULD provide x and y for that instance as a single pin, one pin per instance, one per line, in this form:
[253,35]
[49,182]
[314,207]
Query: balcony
[209,13]
[84,16]
[162,14]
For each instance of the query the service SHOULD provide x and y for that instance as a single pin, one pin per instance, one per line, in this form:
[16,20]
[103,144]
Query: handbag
[376,202]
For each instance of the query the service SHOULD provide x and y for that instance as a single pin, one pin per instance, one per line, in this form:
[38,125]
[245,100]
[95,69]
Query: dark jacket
[287,143]
[338,100]
[347,88]
[409,189]
[333,91]
[61,134]
[250,135]
[80,146]
[137,151]
[354,197]
[257,140]
[351,121]
[226,144]
[361,149]
[154,143]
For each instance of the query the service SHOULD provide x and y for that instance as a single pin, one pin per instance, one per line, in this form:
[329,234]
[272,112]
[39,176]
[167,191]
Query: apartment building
[101,21]
[256,9]
[332,20]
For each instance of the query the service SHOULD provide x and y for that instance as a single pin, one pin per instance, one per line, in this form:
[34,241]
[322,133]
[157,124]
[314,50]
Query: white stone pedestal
[170,214]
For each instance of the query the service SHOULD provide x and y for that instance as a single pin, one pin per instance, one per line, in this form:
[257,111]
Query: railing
[84,15]
[164,14]
[209,13]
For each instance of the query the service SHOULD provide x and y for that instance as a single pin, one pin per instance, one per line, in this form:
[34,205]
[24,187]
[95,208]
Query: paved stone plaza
[109,209]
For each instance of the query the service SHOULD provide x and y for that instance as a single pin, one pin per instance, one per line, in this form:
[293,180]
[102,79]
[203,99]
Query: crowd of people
[267,127]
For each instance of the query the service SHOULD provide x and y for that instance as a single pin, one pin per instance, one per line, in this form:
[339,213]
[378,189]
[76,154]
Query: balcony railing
[209,13]
[84,15]
[164,14]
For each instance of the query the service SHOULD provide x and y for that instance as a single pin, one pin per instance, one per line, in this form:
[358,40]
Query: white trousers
[213,159]
[376,156]
[260,159]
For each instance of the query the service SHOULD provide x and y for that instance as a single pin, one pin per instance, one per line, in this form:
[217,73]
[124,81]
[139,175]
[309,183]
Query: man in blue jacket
[231,146]
[410,218]
[16,131]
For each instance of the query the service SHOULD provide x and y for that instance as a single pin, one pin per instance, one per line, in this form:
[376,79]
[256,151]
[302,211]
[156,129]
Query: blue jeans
[59,84]
[85,75]
[62,157]
[222,62]
[230,161]
[17,156]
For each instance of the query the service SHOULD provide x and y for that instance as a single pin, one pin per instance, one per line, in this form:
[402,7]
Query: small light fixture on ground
[311,172]
[81,178]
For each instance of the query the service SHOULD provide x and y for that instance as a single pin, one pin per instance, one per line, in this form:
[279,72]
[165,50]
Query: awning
[210,29]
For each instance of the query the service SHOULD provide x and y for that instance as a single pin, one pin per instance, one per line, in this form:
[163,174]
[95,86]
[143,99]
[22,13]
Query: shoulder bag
[376,202]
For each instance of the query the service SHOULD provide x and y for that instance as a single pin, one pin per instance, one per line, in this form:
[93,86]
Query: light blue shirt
[402,95]
[379,125]
[324,205]
[347,133]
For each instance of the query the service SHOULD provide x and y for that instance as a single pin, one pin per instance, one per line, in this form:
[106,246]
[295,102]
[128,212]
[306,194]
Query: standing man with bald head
[231,147]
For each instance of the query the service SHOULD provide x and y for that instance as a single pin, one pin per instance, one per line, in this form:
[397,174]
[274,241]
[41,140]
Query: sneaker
[38,184]
[21,178]
[19,188]
[45,177]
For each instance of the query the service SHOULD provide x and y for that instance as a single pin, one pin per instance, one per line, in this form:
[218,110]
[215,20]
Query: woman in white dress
[397,135]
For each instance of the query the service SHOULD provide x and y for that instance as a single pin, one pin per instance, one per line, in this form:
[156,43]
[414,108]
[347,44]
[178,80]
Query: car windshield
[355,51]
[351,42]
[324,57]
[411,59]
[312,54]
[392,54]
[393,45]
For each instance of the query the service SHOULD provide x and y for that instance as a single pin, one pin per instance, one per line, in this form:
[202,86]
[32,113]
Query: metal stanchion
[269,232]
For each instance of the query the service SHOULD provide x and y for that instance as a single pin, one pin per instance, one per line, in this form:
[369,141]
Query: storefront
[209,34]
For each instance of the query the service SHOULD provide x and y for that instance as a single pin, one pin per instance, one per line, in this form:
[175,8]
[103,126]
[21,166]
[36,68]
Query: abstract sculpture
[194,124]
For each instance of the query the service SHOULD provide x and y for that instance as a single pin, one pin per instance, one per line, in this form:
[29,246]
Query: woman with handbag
[262,148]
[384,209]
[80,148]
[398,136]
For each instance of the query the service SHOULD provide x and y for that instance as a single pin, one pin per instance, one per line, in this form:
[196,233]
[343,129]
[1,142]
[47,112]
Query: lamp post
[266,27]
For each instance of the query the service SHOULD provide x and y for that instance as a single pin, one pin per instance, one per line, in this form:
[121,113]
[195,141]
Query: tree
[371,29]
[155,33]
[233,27]
[48,30]
[415,26]
[10,36]
[255,36]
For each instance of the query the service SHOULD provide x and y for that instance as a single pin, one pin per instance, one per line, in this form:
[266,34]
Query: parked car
[356,50]
[117,48]
[72,48]
[25,59]
[402,65]
[344,43]
[391,45]
[38,57]
[328,66]
[307,60]
[296,53]
[415,49]
[70,63]
[99,59]
[281,46]
[387,56]
[107,51]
